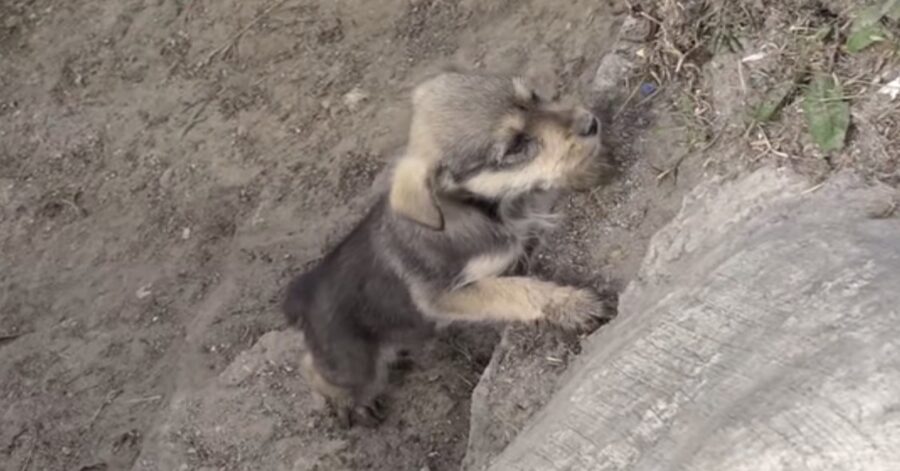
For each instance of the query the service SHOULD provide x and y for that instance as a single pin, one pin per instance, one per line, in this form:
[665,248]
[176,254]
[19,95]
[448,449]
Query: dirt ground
[167,165]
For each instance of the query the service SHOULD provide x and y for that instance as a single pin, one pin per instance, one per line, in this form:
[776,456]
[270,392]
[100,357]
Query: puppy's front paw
[577,309]
[370,416]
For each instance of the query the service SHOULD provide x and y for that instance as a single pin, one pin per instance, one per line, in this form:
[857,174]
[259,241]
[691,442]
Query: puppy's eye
[517,145]
[535,98]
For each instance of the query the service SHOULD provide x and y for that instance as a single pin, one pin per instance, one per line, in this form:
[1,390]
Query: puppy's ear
[411,195]
[524,91]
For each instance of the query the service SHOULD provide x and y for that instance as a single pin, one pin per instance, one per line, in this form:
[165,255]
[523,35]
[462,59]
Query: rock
[518,381]
[635,29]
[354,98]
[612,70]
[144,291]
[762,329]
[617,65]
[243,413]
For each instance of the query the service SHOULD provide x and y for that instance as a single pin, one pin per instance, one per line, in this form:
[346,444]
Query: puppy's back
[353,291]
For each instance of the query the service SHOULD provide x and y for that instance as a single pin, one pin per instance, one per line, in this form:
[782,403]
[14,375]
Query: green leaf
[867,28]
[827,113]
[865,37]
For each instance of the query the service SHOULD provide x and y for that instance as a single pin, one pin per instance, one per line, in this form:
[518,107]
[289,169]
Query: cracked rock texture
[762,332]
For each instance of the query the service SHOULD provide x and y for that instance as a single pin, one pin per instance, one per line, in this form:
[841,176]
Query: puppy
[472,190]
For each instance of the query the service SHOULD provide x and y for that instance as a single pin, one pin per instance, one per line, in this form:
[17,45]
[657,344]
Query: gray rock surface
[763,332]
[520,378]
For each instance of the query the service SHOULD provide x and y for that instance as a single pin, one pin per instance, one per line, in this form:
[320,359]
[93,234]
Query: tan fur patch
[410,195]
[519,299]
[522,90]
[319,384]
[487,265]
[497,299]
[546,171]
[563,162]
[510,125]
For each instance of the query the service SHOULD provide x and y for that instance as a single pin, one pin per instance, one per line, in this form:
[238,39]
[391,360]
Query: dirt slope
[165,166]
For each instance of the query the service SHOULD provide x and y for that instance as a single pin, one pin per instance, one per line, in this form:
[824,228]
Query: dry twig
[673,169]
[233,39]
[110,397]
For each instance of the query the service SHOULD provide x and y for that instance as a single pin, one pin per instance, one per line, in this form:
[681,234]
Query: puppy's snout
[587,125]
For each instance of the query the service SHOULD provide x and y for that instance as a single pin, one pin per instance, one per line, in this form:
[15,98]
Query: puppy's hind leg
[522,299]
[353,394]
[326,392]
[368,401]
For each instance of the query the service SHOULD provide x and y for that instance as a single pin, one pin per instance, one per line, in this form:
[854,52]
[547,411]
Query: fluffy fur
[473,189]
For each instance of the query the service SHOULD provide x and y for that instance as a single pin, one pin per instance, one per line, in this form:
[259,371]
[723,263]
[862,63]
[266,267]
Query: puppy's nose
[587,125]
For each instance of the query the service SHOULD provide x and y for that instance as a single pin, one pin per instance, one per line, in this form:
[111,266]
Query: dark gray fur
[359,305]
[355,307]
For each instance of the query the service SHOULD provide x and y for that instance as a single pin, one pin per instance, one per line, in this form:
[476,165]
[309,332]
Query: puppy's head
[491,137]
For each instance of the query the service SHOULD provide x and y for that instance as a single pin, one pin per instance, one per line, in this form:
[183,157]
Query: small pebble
[354,98]
[144,291]
[881,209]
